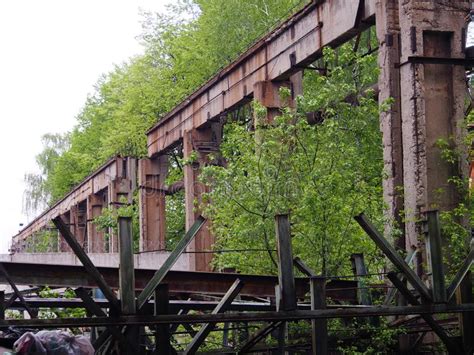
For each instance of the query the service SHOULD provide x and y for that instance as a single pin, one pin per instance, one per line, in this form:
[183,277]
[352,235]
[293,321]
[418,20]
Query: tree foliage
[321,174]
[182,49]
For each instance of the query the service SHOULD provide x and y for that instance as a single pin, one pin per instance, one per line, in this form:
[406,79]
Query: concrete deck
[149,260]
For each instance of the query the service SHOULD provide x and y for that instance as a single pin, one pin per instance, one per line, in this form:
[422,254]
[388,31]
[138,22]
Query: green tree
[39,188]
[321,174]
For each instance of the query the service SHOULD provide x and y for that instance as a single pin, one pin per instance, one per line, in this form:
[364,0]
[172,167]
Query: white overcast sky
[51,54]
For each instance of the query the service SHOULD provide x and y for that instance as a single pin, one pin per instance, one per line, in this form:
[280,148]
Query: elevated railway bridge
[422,58]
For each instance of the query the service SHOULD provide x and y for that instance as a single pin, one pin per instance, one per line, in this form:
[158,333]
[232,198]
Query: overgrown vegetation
[322,172]
[182,49]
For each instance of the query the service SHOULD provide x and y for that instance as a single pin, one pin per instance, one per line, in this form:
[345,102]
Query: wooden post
[435,256]
[319,333]
[319,327]
[163,345]
[285,262]
[126,269]
[286,278]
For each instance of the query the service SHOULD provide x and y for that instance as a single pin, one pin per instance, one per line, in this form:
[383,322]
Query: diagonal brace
[440,332]
[393,256]
[301,266]
[95,309]
[466,265]
[393,291]
[168,264]
[87,263]
[17,293]
[221,307]
[259,335]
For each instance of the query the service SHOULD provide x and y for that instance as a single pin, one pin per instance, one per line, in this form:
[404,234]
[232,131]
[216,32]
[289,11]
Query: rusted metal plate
[178,281]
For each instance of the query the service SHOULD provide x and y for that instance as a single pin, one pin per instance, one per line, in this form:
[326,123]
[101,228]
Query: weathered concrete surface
[388,34]
[432,105]
[428,106]
[151,260]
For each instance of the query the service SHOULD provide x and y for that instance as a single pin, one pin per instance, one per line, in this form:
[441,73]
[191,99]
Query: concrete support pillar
[199,142]
[432,106]
[388,34]
[152,202]
[95,238]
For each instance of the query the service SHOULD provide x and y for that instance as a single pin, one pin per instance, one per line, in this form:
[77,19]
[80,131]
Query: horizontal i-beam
[178,281]
[286,50]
